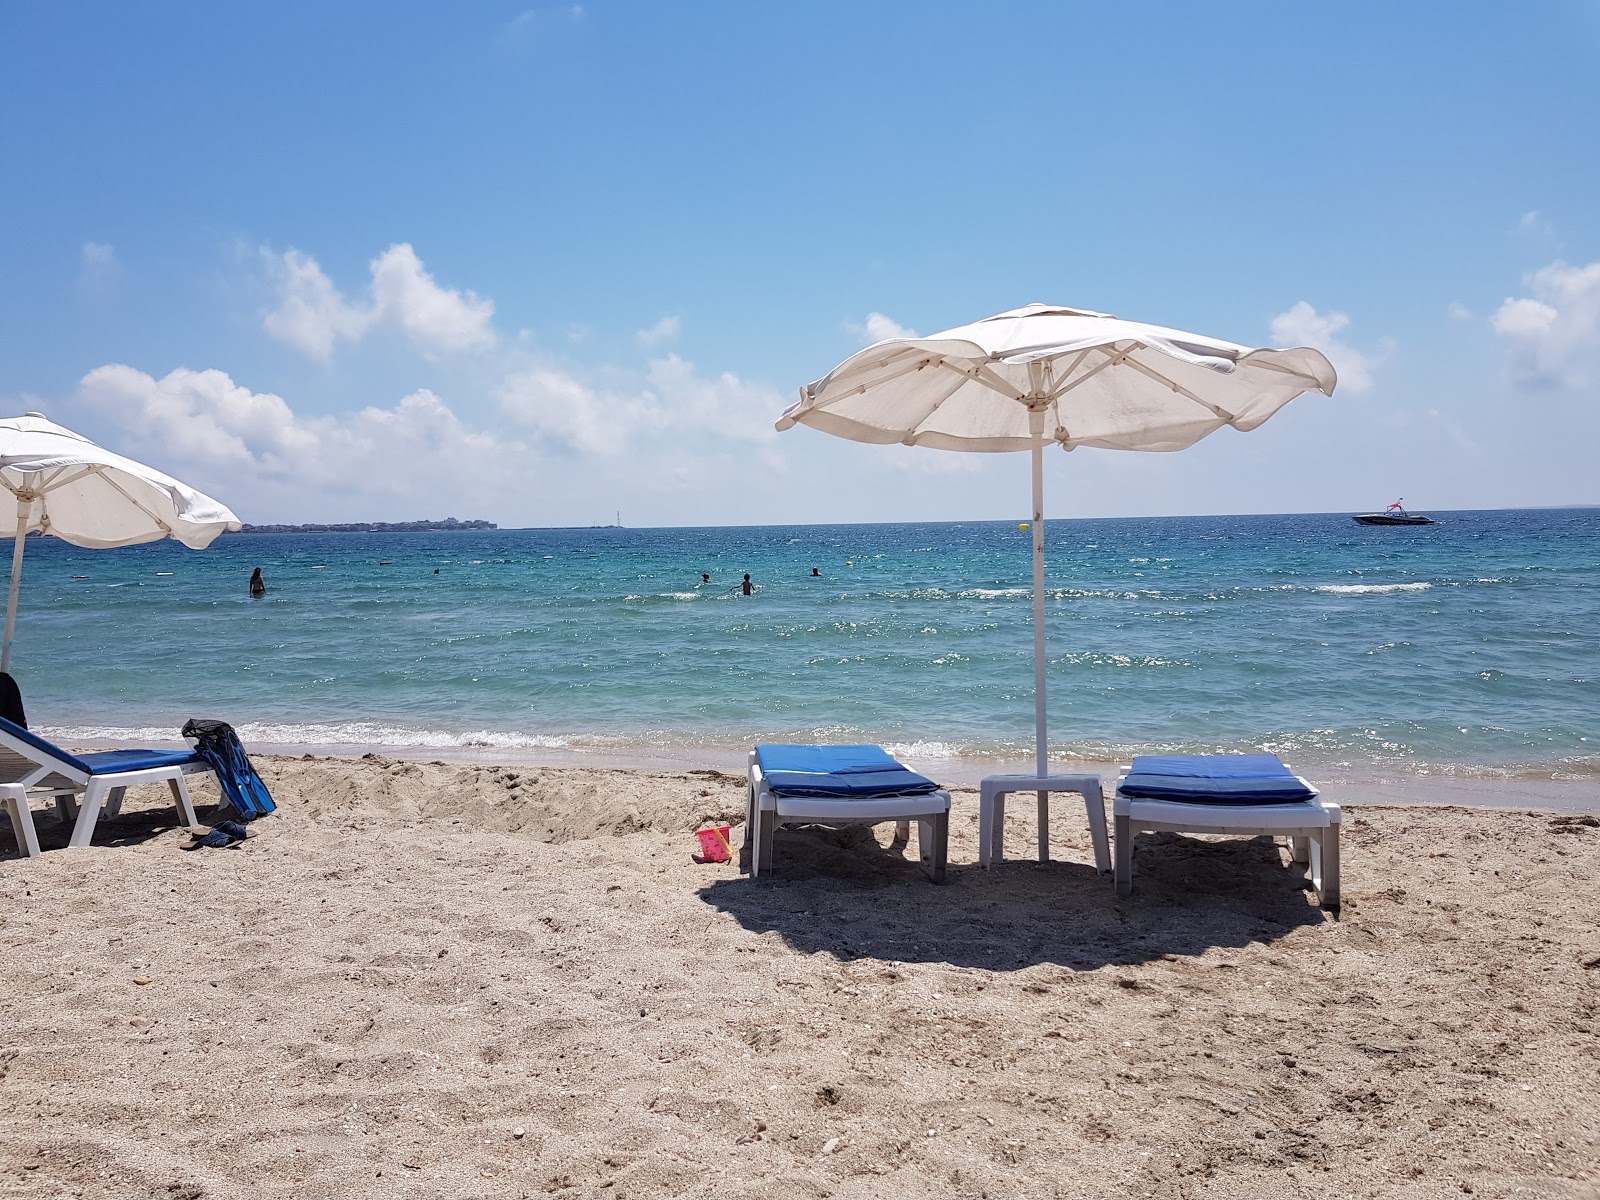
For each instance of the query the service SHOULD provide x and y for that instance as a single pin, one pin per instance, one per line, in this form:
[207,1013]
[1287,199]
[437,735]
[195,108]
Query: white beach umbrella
[70,488]
[1045,375]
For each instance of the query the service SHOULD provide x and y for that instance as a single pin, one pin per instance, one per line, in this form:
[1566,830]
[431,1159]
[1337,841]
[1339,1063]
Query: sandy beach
[457,980]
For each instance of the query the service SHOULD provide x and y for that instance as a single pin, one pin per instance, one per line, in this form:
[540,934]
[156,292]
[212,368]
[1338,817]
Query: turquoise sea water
[1472,644]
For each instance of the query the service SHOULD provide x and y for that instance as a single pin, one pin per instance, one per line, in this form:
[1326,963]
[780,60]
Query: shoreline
[1368,784]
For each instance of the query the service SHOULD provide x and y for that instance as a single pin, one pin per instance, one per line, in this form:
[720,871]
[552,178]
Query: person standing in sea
[747,587]
[258,586]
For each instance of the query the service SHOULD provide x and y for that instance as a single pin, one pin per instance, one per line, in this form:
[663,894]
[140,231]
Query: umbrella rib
[165,528]
[905,364]
[933,406]
[998,382]
[1181,390]
[48,483]
[1113,358]
[979,371]
[61,479]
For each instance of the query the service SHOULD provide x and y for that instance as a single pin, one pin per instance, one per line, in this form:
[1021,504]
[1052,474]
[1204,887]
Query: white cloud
[562,409]
[1303,325]
[1554,334]
[878,328]
[568,411]
[663,332]
[725,405]
[1460,312]
[313,315]
[98,267]
[434,318]
[239,445]
[1534,224]
[527,26]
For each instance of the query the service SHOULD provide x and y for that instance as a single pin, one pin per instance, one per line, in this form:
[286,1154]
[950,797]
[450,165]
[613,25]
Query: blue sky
[541,264]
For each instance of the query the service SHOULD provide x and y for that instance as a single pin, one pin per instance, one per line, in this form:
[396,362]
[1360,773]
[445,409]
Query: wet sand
[426,980]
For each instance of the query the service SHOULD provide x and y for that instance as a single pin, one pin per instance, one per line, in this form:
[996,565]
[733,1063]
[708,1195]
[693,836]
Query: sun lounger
[1243,794]
[841,785]
[46,771]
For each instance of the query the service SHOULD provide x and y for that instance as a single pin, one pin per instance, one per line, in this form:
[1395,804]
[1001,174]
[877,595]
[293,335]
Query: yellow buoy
[1024,525]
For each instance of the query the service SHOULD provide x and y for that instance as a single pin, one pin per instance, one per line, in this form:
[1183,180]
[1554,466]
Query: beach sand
[451,980]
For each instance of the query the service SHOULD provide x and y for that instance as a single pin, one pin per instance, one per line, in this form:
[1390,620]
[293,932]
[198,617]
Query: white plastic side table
[992,813]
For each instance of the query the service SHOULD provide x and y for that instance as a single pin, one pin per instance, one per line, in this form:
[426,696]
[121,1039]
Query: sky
[545,265]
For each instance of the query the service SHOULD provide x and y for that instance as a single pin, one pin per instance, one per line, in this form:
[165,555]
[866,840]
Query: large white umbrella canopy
[1046,375]
[68,487]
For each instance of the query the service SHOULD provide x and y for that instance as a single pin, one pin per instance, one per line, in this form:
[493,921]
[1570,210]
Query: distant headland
[449,523]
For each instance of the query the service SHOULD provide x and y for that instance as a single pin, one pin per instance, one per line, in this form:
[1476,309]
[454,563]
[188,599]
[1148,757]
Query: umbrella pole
[24,507]
[1041,749]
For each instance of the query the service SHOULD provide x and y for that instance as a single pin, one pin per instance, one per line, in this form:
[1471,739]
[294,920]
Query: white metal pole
[24,510]
[1041,748]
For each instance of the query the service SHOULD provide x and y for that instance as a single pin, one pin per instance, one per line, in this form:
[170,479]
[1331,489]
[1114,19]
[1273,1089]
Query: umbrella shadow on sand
[842,894]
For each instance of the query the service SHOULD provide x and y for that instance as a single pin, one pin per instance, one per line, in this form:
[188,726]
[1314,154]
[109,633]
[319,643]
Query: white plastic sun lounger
[841,785]
[88,782]
[1246,795]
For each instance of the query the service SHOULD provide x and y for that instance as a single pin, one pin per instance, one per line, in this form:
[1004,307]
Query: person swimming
[705,578]
[816,574]
[258,586]
[747,587]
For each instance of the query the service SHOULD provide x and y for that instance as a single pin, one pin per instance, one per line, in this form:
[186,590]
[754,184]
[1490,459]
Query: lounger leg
[747,851]
[66,809]
[180,797]
[1044,826]
[766,826]
[1325,867]
[83,829]
[114,802]
[997,830]
[1300,849]
[1124,871]
[933,844]
[16,807]
[902,835]
[985,826]
[1094,802]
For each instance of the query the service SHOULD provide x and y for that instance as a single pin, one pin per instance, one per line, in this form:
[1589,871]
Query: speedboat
[1393,515]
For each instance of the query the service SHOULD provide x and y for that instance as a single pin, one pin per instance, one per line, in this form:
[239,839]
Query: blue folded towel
[838,772]
[1214,779]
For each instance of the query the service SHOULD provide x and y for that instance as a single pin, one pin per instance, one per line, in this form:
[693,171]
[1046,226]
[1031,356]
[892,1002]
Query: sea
[1470,647]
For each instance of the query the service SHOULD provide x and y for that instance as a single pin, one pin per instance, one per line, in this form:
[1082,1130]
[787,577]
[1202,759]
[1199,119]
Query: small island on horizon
[449,523]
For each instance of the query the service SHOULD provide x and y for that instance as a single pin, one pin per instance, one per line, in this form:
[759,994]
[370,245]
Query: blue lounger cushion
[1214,779]
[838,772]
[114,762]
[101,762]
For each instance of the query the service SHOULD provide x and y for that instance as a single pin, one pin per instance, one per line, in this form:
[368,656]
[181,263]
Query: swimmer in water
[816,574]
[747,587]
[704,578]
[258,586]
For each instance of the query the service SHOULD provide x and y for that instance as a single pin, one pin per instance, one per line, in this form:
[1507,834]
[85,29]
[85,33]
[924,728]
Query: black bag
[224,754]
[11,701]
